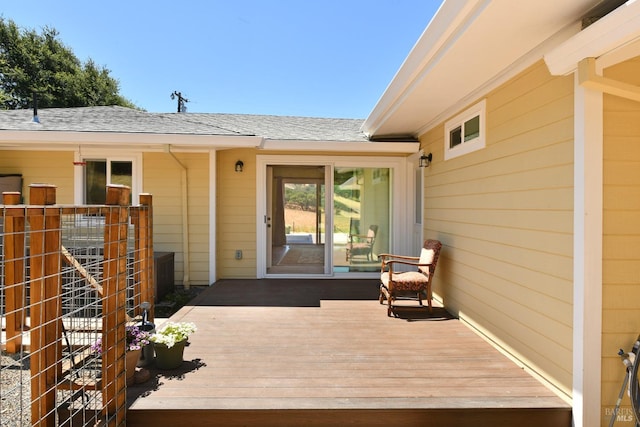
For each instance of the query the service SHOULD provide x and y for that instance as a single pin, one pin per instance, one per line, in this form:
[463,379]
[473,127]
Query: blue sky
[329,58]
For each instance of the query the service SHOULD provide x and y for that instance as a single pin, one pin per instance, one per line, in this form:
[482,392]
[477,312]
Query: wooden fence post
[144,250]
[14,251]
[45,307]
[114,304]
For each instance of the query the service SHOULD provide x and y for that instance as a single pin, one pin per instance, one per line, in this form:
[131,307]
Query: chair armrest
[415,264]
[403,257]
[358,236]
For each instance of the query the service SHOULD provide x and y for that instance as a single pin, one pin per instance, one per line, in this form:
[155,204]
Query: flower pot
[131,361]
[169,357]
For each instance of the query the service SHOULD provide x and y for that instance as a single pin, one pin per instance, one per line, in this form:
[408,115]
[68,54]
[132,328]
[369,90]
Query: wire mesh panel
[15,395]
[71,279]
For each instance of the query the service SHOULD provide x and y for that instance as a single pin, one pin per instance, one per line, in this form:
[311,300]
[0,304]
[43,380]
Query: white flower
[172,332]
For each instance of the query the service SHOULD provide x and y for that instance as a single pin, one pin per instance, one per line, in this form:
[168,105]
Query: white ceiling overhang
[465,50]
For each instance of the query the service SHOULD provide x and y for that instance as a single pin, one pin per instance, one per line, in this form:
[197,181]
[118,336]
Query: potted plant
[136,339]
[169,342]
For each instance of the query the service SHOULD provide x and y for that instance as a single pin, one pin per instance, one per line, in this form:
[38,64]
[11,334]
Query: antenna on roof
[181,100]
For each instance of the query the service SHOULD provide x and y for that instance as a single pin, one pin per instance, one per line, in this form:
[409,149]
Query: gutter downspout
[185,218]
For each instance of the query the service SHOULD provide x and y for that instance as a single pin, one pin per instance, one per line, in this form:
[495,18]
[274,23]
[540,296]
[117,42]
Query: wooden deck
[324,352]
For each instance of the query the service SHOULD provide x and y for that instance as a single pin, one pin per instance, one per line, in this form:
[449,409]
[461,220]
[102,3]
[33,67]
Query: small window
[101,172]
[96,168]
[465,133]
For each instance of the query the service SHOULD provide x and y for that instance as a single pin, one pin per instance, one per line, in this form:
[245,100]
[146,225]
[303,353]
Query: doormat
[303,254]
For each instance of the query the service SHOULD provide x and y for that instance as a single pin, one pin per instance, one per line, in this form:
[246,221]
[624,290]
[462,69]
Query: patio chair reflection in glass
[362,244]
[398,283]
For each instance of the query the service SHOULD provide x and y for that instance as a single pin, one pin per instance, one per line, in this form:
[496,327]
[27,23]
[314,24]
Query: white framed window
[94,170]
[465,132]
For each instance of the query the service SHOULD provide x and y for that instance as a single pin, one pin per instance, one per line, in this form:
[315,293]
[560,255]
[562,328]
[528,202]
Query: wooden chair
[415,283]
[362,244]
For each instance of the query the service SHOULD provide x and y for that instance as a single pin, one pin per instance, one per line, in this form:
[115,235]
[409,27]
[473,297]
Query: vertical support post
[114,304]
[144,252]
[45,308]
[587,255]
[14,251]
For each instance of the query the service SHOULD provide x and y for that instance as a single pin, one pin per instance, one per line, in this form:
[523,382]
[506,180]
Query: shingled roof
[114,119]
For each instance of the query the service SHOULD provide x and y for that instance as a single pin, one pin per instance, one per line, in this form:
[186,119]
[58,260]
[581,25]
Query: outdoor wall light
[239,166]
[425,160]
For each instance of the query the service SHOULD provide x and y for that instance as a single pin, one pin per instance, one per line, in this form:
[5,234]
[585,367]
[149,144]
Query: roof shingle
[126,120]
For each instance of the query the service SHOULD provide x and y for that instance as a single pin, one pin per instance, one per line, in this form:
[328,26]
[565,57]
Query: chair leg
[381,297]
[389,307]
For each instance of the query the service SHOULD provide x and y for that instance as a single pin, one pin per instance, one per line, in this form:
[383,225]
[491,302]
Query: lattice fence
[70,276]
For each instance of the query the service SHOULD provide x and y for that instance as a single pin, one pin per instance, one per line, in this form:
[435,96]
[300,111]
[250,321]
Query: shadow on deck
[324,352]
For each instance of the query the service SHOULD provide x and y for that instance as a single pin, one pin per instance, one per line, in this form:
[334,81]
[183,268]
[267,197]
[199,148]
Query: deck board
[319,345]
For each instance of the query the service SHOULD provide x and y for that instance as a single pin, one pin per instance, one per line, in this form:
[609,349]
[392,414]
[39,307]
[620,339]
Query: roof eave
[444,23]
[453,64]
[342,146]
[57,141]
[54,140]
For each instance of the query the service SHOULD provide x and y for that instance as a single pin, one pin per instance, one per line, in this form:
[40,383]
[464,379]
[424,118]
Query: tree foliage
[41,63]
[300,196]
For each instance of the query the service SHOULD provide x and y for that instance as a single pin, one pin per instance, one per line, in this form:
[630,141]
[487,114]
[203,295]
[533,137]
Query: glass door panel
[296,220]
[362,206]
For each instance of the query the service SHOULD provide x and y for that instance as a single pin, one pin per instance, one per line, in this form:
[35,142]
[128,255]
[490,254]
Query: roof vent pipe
[35,108]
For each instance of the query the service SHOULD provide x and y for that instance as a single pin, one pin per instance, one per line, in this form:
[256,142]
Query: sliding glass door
[331,215]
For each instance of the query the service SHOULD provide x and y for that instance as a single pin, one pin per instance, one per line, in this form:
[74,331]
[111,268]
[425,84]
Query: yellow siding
[43,167]
[236,214]
[505,216]
[236,209]
[621,229]
[163,179]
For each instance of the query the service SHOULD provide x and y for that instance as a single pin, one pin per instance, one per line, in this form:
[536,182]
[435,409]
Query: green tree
[41,63]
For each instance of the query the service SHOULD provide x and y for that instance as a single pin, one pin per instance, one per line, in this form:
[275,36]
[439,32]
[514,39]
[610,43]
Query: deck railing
[70,276]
